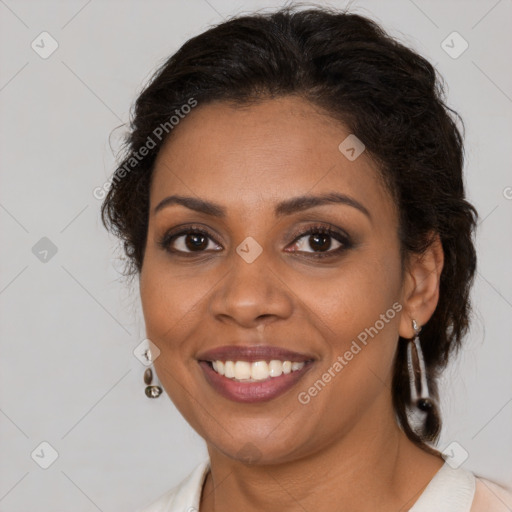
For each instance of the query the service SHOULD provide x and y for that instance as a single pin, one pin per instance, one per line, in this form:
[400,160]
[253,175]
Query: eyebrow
[287,207]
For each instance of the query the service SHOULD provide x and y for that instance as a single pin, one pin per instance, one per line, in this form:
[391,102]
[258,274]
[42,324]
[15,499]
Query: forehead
[260,154]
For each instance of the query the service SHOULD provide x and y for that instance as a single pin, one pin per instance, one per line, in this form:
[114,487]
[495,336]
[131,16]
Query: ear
[420,291]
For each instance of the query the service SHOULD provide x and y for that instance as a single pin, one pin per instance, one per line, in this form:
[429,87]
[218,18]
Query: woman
[293,204]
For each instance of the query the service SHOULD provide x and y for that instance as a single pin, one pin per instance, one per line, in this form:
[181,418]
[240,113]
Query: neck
[372,467]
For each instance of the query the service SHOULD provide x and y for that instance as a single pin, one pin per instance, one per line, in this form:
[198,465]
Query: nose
[251,294]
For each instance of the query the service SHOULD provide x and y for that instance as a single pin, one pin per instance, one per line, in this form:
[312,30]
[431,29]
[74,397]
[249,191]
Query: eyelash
[339,236]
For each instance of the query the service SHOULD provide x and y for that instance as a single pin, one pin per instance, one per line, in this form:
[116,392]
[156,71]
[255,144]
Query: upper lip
[252,353]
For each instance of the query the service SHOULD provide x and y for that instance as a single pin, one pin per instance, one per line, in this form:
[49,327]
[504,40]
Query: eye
[322,241]
[188,241]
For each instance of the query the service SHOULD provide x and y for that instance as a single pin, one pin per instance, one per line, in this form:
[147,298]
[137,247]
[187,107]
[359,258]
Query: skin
[344,446]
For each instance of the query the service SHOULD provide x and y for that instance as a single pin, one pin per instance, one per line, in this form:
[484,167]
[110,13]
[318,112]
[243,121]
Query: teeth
[242,370]
[275,368]
[257,371]
[229,369]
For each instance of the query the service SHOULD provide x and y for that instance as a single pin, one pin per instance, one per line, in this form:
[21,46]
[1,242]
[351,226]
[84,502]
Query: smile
[245,371]
[253,373]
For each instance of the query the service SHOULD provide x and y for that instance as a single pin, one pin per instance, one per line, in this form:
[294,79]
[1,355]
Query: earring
[152,390]
[422,401]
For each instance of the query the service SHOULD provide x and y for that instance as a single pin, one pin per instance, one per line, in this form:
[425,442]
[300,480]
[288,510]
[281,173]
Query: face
[277,248]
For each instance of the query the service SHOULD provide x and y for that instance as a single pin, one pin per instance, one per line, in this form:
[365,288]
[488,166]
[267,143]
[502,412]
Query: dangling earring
[152,391]
[422,401]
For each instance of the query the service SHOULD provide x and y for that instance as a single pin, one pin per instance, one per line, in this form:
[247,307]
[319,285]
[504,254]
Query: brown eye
[196,242]
[189,241]
[321,241]
[317,242]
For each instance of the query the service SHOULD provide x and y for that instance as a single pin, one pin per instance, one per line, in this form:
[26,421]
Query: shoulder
[185,496]
[460,490]
[491,497]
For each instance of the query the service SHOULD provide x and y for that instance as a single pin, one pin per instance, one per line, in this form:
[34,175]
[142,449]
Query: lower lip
[250,392]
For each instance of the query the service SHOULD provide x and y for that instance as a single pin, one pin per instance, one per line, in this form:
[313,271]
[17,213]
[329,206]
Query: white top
[450,490]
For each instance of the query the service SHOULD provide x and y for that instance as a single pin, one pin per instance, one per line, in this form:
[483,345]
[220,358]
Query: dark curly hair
[386,94]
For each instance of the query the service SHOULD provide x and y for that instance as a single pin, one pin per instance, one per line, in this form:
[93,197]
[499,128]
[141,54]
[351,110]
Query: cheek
[357,311]
[169,298]
[169,306]
[341,301]
[353,297]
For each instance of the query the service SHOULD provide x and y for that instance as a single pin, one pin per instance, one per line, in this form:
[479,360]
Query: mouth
[244,371]
[253,374]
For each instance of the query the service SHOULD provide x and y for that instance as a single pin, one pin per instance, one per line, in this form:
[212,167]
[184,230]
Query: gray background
[69,324]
